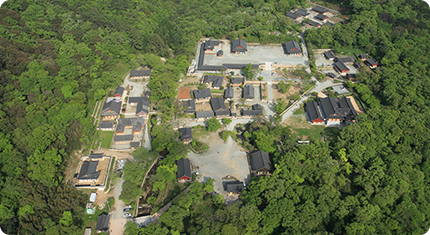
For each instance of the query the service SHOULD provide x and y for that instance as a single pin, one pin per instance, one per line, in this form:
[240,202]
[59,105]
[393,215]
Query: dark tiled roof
[140,73]
[328,106]
[184,168]
[137,99]
[142,107]
[217,104]
[135,144]
[292,47]
[236,80]
[89,171]
[363,56]
[218,82]
[248,92]
[201,94]
[340,66]
[119,91]
[220,53]
[319,9]
[210,78]
[147,93]
[204,114]
[111,108]
[313,110]
[96,155]
[321,17]
[331,75]
[239,66]
[246,112]
[211,67]
[190,105]
[351,75]
[229,93]
[234,187]
[302,12]
[312,23]
[345,60]
[223,112]
[257,107]
[118,138]
[358,65]
[292,15]
[136,123]
[106,125]
[103,222]
[329,55]
[260,160]
[211,43]
[239,45]
[371,61]
[186,133]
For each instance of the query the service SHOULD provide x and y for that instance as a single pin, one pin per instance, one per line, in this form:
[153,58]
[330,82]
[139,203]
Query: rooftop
[239,45]
[202,94]
[218,104]
[89,171]
[140,73]
[292,47]
[186,133]
[184,168]
[260,160]
[204,114]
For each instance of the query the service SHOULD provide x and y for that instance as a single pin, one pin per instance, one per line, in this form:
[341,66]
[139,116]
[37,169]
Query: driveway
[222,159]
[117,220]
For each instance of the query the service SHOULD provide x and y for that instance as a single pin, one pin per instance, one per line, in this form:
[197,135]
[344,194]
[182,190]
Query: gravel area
[222,159]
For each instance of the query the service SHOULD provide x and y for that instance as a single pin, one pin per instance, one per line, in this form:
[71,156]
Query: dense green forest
[58,58]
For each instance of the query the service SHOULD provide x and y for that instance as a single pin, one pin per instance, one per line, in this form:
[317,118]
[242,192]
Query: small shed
[93,197]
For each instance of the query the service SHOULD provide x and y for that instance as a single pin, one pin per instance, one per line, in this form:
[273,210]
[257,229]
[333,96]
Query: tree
[249,72]
[213,124]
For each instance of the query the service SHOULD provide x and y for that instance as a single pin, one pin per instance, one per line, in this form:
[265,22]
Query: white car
[127,215]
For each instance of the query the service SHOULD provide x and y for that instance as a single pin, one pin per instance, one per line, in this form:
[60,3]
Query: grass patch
[199,132]
[302,130]
[105,137]
[217,91]
[299,111]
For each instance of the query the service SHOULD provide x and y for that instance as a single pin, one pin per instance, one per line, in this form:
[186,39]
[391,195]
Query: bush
[260,78]
[226,120]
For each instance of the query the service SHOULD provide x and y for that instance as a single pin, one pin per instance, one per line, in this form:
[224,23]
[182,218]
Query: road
[147,138]
[117,220]
[318,87]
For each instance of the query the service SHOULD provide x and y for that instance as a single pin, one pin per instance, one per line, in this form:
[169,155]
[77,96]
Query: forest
[57,58]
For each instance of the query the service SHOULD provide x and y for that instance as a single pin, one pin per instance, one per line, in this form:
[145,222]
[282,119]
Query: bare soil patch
[203,107]
[294,89]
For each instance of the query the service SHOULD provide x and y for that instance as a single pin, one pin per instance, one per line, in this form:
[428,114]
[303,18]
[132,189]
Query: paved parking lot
[320,60]
[254,55]
[222,159]
[139,86]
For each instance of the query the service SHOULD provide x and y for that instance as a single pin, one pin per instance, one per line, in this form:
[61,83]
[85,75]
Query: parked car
[126,210]
[127,215]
